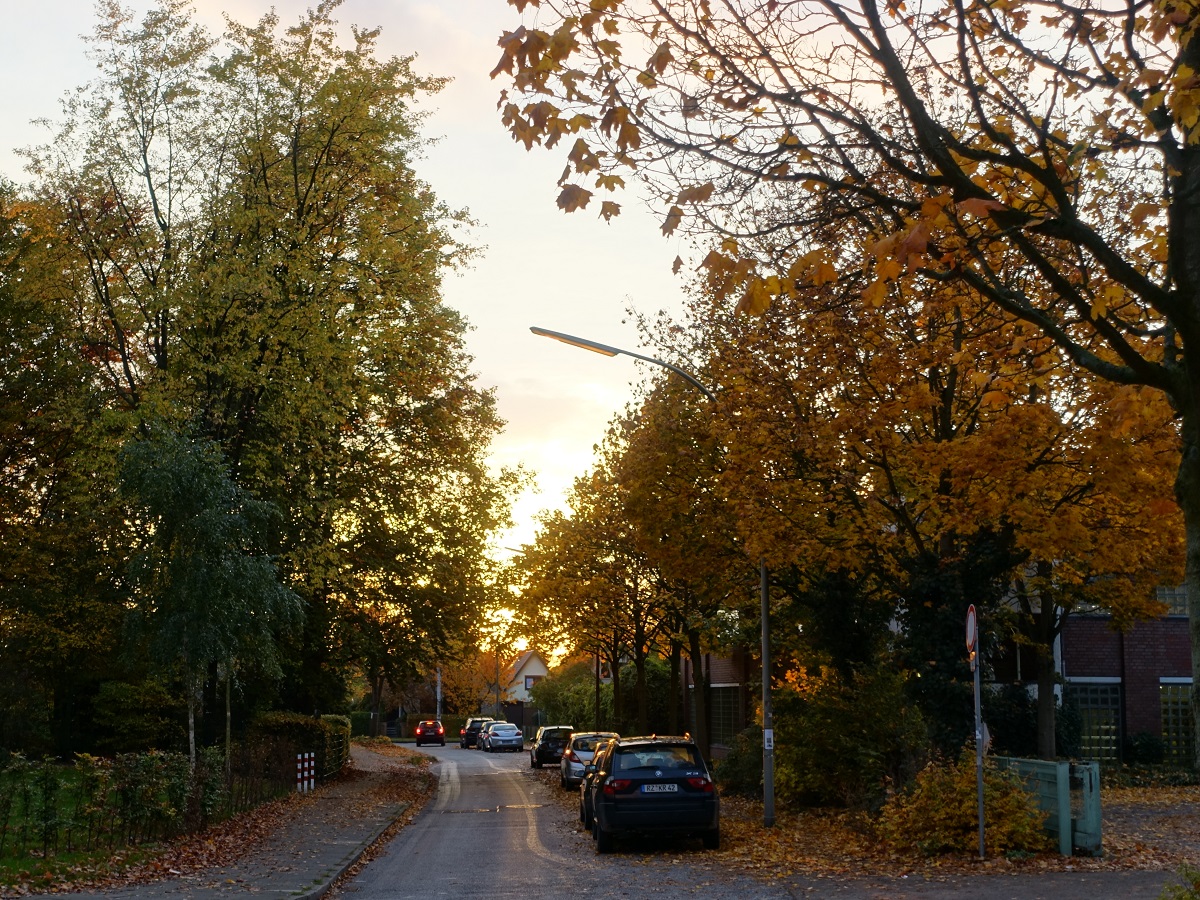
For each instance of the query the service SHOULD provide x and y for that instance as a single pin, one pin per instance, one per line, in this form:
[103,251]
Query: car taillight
[569,756]
[701,784]
[461,732]
[441,730]
[616,785]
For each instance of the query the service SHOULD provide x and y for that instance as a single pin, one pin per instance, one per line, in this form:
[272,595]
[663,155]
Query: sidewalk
[324,834]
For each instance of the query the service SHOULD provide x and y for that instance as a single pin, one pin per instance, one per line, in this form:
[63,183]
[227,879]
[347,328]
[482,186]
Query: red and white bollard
[306,772]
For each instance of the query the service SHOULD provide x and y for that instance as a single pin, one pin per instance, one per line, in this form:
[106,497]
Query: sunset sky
[572,273]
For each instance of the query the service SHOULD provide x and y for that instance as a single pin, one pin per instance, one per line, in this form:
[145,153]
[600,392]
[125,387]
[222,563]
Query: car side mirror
[589,769]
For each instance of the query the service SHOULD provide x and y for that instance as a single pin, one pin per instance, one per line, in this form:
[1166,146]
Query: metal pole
[768,721]
[597,728]
[439,693]
[978,739]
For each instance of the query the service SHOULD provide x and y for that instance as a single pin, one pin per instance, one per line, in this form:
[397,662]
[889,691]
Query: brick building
[1136,682]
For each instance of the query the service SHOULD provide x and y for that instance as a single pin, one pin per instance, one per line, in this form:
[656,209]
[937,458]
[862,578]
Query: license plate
[659,788]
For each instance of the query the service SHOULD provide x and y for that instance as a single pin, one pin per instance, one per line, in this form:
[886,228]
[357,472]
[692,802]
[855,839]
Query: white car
[580,750]
[499,736]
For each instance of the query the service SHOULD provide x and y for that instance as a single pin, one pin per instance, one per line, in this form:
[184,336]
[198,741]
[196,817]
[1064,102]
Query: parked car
[499,736]
[578,754]
[585,800]
[430,731]
[653,784]
[548,745]
[468,736]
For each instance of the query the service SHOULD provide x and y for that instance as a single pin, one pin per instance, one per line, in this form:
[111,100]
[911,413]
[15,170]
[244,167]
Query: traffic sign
[972,628]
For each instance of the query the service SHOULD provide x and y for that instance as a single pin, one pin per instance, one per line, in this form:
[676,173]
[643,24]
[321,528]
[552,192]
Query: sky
[567,272]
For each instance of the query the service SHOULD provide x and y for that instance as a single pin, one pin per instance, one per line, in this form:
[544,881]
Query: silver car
[503,736]
[580,750]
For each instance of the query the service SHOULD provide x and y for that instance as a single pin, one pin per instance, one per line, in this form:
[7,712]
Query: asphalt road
[494,830]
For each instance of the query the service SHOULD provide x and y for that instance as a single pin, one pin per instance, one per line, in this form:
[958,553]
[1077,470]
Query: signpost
[973,656]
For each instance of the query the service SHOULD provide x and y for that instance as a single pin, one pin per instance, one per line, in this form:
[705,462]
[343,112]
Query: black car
[548,744]
[652,785]
[469,734]
[430,731]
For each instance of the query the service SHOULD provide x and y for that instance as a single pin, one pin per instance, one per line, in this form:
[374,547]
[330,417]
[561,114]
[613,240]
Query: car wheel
[712,839]
[562,780]
[604,840]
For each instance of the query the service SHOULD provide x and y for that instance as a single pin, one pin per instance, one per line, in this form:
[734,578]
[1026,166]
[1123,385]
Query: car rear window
[558,733]
[627,758]
[504,729]
[588,744]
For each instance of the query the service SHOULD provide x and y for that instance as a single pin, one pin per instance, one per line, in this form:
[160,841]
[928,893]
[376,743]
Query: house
[528,669]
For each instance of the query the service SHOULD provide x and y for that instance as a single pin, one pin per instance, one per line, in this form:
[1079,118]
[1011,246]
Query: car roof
[656,740]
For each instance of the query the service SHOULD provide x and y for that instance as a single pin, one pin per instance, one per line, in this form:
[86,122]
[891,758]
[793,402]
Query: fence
[1069,793]
[106,804]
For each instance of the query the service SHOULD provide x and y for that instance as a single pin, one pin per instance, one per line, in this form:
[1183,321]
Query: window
[1177,722]
[1175,598]
[1100,711]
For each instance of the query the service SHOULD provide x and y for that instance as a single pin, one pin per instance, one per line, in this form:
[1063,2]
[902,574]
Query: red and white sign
[972,628]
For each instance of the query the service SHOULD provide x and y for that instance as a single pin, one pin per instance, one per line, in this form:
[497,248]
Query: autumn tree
[895,479]
[1042,159]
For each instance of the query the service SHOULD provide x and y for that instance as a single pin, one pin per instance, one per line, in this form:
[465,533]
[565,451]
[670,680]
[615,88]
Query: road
[495,830]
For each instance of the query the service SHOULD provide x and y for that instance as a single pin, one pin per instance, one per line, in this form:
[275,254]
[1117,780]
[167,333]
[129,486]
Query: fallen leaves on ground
[1143,828]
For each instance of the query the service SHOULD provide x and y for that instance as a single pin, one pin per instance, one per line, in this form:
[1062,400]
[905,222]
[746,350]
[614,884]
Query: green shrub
[845,744]
[1188,886]
[135,717]
[327,736]
[940,813]
[360,723]
[1144,748]
[741,771]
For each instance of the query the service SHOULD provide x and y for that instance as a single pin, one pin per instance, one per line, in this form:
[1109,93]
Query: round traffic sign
[972,627]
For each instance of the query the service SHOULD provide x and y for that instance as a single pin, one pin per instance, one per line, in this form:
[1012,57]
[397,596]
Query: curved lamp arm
[606,350]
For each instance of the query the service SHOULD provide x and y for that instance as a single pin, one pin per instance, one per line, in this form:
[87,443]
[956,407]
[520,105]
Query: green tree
[249,256]
[205,592]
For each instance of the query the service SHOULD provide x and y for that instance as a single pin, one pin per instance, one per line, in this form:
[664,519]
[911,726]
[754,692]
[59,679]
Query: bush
[845,744]
[135,717]
[741,771]
[1011,715]
[1187,886]
[940,813]
[1144,748]
[327,736]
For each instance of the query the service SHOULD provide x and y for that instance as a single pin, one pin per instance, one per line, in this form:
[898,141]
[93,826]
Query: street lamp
[768,720]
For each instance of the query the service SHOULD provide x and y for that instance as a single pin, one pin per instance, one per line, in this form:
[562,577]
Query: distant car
[653,784]
[501,736]
[469,735]
[430,731]
[578,753]
[548,745]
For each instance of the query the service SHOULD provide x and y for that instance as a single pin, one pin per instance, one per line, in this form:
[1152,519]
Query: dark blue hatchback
[653,784]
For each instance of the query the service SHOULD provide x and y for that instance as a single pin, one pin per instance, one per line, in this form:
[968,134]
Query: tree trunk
[700,695]
[1047,633]
[228,727]
[673,706]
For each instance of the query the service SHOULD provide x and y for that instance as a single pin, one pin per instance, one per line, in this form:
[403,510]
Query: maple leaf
[979,207]
[573,197]
[608,209]
[674,217]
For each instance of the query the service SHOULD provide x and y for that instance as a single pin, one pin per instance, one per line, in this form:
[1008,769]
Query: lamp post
[768,721]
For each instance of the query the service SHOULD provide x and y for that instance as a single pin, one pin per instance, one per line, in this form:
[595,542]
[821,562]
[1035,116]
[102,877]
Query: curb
[355,855]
